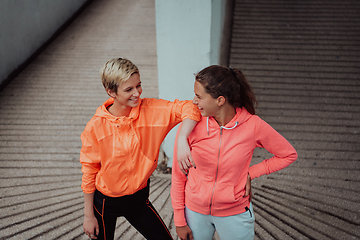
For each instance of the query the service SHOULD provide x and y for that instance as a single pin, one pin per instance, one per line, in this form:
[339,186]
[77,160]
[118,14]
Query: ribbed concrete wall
[303,58]
[26,26]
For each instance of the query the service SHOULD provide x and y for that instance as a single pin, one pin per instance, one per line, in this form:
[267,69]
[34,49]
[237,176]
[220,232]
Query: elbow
[293,156]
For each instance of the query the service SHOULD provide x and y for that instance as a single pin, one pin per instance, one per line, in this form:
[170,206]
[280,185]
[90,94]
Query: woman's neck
[225,115]
[119,111]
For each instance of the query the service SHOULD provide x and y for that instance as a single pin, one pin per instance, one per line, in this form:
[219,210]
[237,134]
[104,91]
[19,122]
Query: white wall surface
[25,25]
[188,39]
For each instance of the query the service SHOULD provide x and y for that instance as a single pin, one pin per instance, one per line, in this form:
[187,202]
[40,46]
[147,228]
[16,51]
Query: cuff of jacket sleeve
[179,217]
[88,188]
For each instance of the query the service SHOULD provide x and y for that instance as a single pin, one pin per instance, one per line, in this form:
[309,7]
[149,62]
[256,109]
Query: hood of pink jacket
[240,117]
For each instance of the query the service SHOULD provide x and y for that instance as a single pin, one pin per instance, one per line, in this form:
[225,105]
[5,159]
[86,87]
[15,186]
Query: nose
[195,101]
[136,93]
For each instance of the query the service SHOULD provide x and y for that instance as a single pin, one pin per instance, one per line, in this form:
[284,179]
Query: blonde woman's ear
[110,93]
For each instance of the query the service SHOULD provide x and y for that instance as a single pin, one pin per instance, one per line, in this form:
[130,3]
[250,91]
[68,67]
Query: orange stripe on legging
[102,217]
[147,202]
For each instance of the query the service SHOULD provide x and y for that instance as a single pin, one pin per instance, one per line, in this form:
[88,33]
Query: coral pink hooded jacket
[222,156]
[119,154]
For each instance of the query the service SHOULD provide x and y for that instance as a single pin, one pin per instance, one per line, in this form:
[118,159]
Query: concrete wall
[26,25]
[189,37]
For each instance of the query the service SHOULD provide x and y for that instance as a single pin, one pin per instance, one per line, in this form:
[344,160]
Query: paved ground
[301,58]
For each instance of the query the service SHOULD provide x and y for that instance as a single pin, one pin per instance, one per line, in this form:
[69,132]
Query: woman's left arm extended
[284,153]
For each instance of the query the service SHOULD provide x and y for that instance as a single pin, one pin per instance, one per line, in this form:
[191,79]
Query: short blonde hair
[116,71]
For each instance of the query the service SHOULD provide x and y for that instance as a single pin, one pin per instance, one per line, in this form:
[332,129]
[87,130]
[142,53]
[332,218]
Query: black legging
[136,208]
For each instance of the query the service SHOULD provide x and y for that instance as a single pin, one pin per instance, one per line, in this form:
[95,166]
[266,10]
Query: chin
[133,104]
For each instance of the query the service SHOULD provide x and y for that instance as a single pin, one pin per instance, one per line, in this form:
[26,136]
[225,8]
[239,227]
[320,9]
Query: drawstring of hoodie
[227,128]
[207,125]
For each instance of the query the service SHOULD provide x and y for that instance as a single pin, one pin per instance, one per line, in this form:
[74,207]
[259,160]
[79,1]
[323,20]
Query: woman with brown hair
[215,192]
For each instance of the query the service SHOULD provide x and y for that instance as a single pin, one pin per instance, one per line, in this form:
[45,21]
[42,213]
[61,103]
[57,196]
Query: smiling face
[115,72]
[128,93]
[207,105]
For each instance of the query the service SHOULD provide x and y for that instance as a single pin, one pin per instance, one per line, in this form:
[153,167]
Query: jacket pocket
[224,194]
[197,192]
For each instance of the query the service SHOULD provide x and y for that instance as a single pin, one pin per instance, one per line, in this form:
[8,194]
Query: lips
[134,101]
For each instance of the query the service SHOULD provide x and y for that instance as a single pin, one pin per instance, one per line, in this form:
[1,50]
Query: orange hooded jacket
[119,154]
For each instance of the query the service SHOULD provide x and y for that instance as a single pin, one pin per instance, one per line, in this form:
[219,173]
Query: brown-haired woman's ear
[221,101]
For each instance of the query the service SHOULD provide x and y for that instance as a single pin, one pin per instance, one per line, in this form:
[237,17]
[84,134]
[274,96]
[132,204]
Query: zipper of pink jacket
[217,171]
[218,160]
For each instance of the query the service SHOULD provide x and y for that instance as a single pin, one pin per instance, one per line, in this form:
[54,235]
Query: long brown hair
[229,83]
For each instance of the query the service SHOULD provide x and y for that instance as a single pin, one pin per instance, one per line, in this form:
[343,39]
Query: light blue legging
[240,226]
